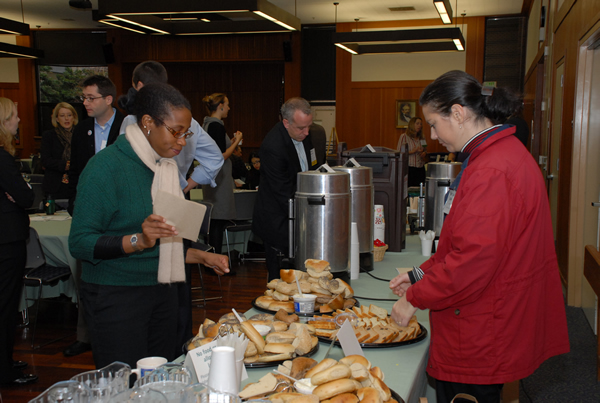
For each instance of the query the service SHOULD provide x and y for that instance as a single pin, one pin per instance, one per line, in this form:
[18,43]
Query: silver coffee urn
[322,220]
[362,196]
[439,177]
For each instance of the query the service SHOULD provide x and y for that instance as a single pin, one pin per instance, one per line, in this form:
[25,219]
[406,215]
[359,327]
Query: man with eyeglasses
[286,150]
[91,136]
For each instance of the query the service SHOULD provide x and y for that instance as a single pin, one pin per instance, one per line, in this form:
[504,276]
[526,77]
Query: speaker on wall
[287,51]
[109,54]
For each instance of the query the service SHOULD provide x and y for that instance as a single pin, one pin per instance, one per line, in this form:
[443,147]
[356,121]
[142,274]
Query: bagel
[290,275]
[212,330]
[376,371]
[317,265]
[316,288]
[273,283]
[323,274]
[262,316]
[381,387]
[351,359]
[264,302]
[250,350]
[295,326]
[260,322]
[322,366]
[337,387]
[253,335]
[198,342]
[359,372]
[368,395]
[300,366]
[338,371]
[287,289]
[286,306]
[277,296]
[250,360]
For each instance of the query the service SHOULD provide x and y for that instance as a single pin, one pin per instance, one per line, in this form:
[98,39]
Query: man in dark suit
[91,136]
[319,140]
[286,150]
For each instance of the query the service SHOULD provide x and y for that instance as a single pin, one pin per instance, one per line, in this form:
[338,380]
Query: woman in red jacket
[492,288]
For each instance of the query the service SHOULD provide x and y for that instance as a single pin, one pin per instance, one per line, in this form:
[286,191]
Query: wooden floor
[58,319]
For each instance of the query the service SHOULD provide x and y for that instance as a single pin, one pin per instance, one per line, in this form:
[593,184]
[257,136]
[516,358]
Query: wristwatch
[134,240]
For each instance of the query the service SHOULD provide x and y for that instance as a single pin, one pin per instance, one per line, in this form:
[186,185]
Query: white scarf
[166,178]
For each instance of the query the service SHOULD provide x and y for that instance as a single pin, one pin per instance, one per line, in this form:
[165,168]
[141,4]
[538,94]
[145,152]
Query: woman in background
[414,139]
[221,197]
[56,151]
[253,176]
[15,196]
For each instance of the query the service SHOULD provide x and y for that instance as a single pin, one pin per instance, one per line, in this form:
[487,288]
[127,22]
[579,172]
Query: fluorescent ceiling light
[14,51]
[444,9]
[13,27]
[160,31]
[112,23]
[347,49]
[276,21]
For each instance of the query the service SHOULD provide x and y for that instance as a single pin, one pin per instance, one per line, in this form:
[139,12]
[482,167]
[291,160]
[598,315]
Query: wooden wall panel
[365,111]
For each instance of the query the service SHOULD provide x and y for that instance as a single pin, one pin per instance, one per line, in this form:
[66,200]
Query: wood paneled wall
[366,111]
[24,93]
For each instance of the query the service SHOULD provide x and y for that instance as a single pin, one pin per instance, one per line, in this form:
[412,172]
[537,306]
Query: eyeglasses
[89,99]
[174,132]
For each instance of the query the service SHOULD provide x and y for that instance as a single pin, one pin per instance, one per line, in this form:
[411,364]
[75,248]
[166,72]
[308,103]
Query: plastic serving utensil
[299,289]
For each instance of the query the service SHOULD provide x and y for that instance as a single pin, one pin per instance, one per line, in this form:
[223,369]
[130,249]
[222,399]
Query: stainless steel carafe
[439,177]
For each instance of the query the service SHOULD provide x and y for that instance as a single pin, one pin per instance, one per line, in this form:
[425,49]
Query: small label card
[201,357]
[368,148]
[348,340]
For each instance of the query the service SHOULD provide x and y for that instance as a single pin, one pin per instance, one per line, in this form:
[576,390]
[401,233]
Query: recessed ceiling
[56,14]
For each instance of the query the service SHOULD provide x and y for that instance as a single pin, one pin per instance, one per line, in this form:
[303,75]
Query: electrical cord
[376,299]
[378,278]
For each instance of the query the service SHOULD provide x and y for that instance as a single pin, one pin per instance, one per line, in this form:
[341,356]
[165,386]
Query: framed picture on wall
[405,110]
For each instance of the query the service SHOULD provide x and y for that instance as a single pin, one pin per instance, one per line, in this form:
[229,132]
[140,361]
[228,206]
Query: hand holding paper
[184,215]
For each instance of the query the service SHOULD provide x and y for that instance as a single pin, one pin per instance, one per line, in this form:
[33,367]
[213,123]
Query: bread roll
[277,296]
[278,348]
[349,303]
[230,319]
[322,366]
[253,335]
[376,371]
[337,302]
[280,337]
[368,395]
[266,384]
[359,372]
[260,322]
[343,398]
[337,387]
[381,387]
[262,316]
[279,326]
[289,276]
[317,265]
[287,289]
[351,359]
[300,366]
[322,274]
[316,288]
[302,343]
[274,357]
[283,316]
[295,326]
[198,342]
[250,350]
[252,359]
[338,371]
[273,283]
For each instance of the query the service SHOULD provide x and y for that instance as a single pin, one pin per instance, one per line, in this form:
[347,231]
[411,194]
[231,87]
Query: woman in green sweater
[130,256]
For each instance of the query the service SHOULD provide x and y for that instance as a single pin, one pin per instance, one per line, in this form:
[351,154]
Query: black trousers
[184,324]
[272,261]
[129,323]
[445,391]
[215,234]
[13,256]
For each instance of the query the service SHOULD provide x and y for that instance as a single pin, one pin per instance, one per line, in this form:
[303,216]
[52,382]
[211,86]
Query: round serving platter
[422,336]
[255,306]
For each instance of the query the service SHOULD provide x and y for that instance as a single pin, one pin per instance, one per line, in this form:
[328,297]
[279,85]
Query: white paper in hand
[348,340]
[200,358]
[186,216]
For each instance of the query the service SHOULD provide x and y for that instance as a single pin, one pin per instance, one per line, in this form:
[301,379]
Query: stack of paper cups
[354,253]
[379,224]
[223,374]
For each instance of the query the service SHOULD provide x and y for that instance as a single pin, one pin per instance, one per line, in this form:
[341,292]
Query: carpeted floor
[569,377]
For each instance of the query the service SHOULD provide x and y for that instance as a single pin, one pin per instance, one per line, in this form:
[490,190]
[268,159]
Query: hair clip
[487,90]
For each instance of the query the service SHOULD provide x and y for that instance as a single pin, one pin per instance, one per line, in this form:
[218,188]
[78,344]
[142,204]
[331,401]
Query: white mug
[147,365]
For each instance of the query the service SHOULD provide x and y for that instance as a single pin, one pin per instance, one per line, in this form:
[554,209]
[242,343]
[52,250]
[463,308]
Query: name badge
[449,200]
[313,157]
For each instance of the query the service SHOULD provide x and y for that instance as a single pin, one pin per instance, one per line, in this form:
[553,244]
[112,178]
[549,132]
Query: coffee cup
[146,365]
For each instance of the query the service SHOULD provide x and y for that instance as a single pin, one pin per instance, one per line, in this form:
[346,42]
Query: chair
[204,246]
[39,274]
[244,208]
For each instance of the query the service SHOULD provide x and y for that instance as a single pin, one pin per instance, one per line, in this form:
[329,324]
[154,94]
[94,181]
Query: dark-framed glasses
[174,132]
[89,99]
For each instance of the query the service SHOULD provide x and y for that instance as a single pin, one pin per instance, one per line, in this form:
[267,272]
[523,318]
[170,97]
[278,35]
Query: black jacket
[279,166]
[14,221]
[83,148]
[54,166]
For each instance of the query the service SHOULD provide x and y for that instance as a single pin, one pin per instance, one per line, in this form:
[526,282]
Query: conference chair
[244,207]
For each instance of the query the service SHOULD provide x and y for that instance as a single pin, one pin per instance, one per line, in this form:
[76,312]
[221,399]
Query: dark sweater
[113,198]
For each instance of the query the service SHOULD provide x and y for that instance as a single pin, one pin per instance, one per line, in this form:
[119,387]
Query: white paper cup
[426,245]
[304,304]
[437,241]
[147,365]
[222,375]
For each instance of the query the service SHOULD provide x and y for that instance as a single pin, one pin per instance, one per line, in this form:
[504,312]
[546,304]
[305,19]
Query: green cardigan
[113,198]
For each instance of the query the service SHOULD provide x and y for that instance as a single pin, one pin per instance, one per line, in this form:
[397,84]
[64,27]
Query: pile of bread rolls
[287,338]
[373,325]
[331,293]
[349,380]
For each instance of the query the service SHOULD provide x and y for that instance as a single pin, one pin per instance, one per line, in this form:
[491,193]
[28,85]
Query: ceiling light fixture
[13,27]
[225,17]
[401,41]
[444,9]
[15,51]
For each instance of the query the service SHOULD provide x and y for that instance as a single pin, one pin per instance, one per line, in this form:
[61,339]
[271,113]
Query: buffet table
[404,366]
